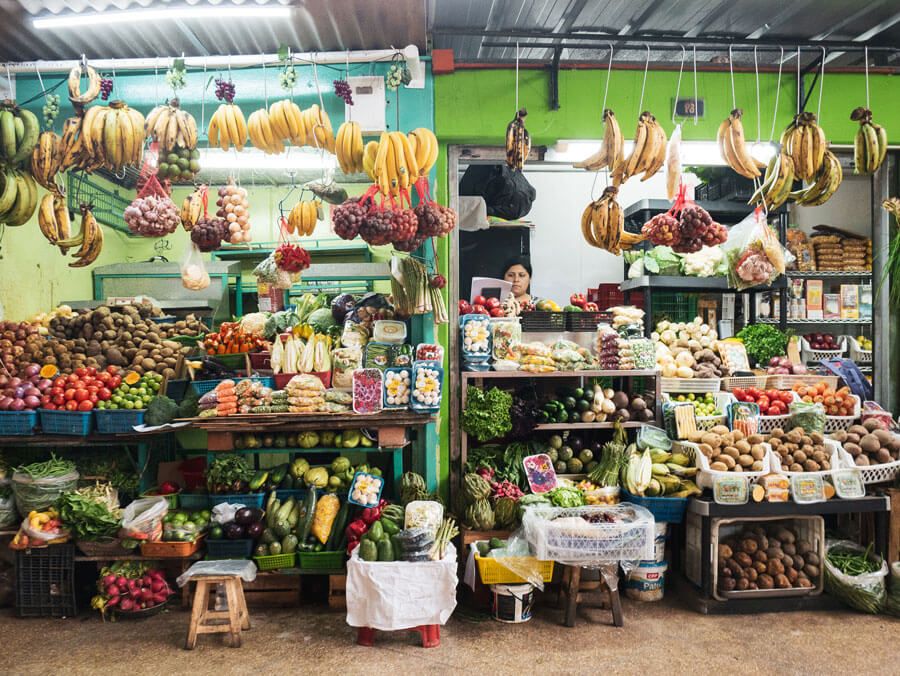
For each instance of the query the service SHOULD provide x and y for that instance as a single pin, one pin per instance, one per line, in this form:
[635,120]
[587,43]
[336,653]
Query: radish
[159,598]
[122,581]
[127,604]
[146,594]
[112,590]
[113,601]
[157,586]
[109,579]
[156,574]
[146,580]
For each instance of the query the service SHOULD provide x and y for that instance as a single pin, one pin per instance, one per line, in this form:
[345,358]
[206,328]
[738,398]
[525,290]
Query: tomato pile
[232,339]
[82,389]
[481,306]
[770,402]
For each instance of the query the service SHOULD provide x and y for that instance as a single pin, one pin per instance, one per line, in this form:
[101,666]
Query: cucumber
[294,516]
[305,524]
[385,550]
[286,483]
[278,473]
[272,513]
[337,528]
[289,544]
[258,480]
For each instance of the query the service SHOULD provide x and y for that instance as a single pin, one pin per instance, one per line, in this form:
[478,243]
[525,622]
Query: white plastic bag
[224,512]
[402,594]
[755,256]
[193,273]
[39,494]
[142,519]
[866,592]
[245,569]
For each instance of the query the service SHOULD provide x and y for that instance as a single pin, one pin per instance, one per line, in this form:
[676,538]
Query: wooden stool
[431,635]
[206,621]
[572,588]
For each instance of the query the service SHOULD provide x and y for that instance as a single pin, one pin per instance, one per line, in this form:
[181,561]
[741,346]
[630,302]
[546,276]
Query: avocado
[569,403]
[496,543]
[484,548]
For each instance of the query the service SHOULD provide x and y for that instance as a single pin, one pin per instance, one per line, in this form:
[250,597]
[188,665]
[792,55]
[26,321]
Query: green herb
[90,513]
[227,471]
[566,496]
[762,342]
[486,415]
[50,468]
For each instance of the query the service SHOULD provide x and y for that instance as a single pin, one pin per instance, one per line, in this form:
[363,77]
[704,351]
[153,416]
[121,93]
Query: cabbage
[321,320]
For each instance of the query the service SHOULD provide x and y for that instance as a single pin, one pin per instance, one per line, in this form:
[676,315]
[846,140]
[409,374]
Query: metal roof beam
[867,35]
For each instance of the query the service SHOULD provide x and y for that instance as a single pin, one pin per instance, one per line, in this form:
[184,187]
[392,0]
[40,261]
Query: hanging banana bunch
[649,152]
[871,143]
[227,127]
[603,224]
[733,146]
[777,183]
[349,147]
[171,127]
[826,183]
[611,149]
[46,159]
[93,90]
[396,167]
[18,197]
[804,140]
[19,129]
[303,217]
[425,147]
[192,207]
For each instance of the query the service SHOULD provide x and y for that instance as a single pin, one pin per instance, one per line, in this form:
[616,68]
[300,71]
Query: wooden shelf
[590,426]
[252,422]
[477,375]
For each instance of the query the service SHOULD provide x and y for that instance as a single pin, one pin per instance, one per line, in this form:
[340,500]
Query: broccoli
[160,411]
[190,405]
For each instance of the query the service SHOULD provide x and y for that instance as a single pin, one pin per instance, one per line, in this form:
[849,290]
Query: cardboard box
[814,299]
[269,298]
[865,301]
[831,306]
[849,301]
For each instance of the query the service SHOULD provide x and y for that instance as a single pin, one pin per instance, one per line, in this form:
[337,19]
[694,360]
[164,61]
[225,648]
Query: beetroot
[159,598]
[122,581]
[157,586]
[109,579]
[113,601]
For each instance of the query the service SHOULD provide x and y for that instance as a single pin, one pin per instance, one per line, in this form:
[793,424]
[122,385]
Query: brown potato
[731,451]
[724,552]
[742,584]
[751,574]
[802,582]
[727,583]
[766,581]
[791,574]
[743,446]
[774,567]
[811,571]
[760,555]
[745,461]
[760,567]
[758,452]
[727,460]
[743,559]
[789,548]
[718,467]
[782,582]
[749,546]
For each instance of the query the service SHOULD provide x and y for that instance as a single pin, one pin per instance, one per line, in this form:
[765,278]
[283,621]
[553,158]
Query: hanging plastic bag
[267,270]
[193,273]
[865,592]
[142,519]
[755,256]
[38,494]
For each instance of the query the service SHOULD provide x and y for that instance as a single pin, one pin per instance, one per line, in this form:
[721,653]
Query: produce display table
[706,509]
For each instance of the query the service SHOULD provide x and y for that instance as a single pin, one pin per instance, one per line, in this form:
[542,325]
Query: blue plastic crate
[193,502]
[18,423]
[229,549]
[247,499]
[118,421]
[297,493]
[664,510]
[78,423]
[201,387]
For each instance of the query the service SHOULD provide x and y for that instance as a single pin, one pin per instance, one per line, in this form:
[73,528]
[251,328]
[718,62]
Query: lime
[129,405]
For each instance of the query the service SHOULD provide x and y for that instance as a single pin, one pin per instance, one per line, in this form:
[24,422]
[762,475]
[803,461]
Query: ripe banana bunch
[171,127]
[18,197]
[396,167]
[227,127]
[368,160]
[349,147]
[518,141]
[93,90]
[777,183]
[825,185]
[71,146]
[649,152]
[192,208]
[805,142]
[53,220]
[733,146]
[871,143]
[262,133]
[611,150]
[89,240]
[287,123]
[425,147]
[110,137]
[303,217]
[603,224]
[46,159]
[19,130]
[319,133]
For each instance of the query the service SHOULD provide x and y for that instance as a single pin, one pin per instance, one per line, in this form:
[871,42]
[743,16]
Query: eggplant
[248,515]
[234,531]
[576,443]
[341,306]
[255,530]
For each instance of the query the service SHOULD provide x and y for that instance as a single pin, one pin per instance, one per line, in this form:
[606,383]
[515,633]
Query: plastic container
[586,321]
[744,382]
[475,340]
[45,581]
[246,499]
[492,572]
[230,549]
[512,603]
[608,495]
[807,488]
[368,390]
[807,354]
[171,498]
[397,387]
[118,421]
[429,352]
[275,561]
[321,560]
[706,476]
[833,423]
[543,321]
[506,336]
[201,387]
[872,474]
[378,356]
[848,484]
[659,542]
[390,331]
[75,423]
[832,449]
[707,422]
[857,354]
[647,582]
[364,486]
[18,423]
[787,382]
[731,490]
[192,471]
[193,502]
[261,360]
[170,550]
[428,387]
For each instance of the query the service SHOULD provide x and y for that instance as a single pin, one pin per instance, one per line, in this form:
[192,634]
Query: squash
[131,378]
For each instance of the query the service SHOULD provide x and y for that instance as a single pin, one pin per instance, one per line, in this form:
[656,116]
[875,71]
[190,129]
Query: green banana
[7,133]
[29,137]
[8,195]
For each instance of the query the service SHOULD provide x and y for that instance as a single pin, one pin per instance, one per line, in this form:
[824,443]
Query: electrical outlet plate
[368,103]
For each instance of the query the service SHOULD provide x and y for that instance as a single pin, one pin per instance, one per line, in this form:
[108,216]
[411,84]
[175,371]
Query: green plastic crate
[676,307]
[275,561]
[322,560]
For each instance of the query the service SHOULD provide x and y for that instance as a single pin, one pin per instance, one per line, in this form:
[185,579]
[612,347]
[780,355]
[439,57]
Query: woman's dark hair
[524,261]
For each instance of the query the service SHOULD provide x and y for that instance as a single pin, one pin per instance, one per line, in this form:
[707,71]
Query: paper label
[808,489]
[540,473]
[848,484]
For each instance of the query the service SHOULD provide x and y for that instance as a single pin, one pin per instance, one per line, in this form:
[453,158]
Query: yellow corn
[326,509]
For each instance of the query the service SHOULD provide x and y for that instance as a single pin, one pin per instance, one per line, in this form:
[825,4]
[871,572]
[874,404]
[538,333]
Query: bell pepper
[591,307]
[577,299]
[356,529]
[371,514]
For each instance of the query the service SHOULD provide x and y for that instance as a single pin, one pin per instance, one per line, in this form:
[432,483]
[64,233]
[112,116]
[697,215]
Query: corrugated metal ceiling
[314,25]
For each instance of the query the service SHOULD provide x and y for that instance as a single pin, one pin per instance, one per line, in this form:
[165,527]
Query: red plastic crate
[609,295]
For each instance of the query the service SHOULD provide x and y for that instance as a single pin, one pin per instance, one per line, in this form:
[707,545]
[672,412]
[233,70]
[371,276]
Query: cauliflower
[703,263]
[254,322]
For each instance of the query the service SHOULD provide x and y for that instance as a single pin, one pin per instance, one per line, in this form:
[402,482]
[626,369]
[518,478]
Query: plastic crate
[787,382]
[676,307]
[664,510]
[76,423]
[835,459]
[542,320]
[857,354]
[679,385]
[275,561]
[193,502]
[833,423]
[18,423]
[246,499]
[322,560]
[261,360]
[745,382]
[586,321]
[610,295]
[808,355]
[871,474]
[707,422]
[201,387]
[767,423]
[297,493]
[192,470]
[492,572]
[45,581]
[171,498]
[176,389]
[230,549]
[118,421]
[170,550]
[706,476]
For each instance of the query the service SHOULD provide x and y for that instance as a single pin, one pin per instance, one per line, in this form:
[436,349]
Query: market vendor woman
[517,272]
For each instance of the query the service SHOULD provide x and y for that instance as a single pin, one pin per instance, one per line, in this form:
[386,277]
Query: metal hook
[83,61]
[38,72]
[777,92]
[866,57]
[821,84]
[517,75]
[798,79]
[731,70]
[758,120]
[696,111]
[644,83]
[678,86]
[608,73]
[265,88]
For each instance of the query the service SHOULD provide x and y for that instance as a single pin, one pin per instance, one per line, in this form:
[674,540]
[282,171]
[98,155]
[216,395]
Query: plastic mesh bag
[866,592]
[39,494]
[755,256]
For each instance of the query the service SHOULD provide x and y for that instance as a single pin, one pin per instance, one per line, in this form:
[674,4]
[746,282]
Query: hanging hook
[678,86]
[821,85]
[517,75]
[866,58]
[696,110]
[83,61]
[798,79]
[731,70]
[265,88]
[777,92]
[203,97]
[644,83]
[608,73]
[38,72]
[758,120]
[156,81]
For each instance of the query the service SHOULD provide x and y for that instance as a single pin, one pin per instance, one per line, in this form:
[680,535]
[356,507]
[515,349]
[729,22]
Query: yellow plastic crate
[492,572]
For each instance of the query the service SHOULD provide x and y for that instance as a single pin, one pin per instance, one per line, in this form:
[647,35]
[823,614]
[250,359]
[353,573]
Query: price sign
[689,107]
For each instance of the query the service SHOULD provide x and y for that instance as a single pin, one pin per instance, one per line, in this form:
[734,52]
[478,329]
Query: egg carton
[419,406]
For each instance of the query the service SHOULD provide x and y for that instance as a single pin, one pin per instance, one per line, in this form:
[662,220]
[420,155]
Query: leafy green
[566,496]
[90,513]
[279,322]
[660,260]
[321,320]
[486,415]
[228,469]
[762,342]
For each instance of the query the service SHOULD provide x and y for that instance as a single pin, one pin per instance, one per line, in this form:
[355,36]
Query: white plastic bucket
[659,542]
[512,603]
[646,582]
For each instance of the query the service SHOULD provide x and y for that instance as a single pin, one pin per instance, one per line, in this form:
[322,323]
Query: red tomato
[112,370]
[103,377]
[787,397]
[479,309]
[86,405]
[93,398]
[496,312]
[763,401]
[46,399]
[81,373]
[104,394]
[50,407]
[740,394]
[479,300]
[91,371]
[71,405]
[114,382]
[754,392]
[93,389]
[59,399]
[60,382]
[72,378]
[56,390]
[81,394]
[772,394]
[464,308]
[70,394]
[491,303]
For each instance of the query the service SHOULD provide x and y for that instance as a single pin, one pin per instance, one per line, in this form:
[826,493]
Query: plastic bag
[193,272]
[892,604]
[245,569]
[267,270]
[142,519]
[224,512]
[811,417]
[8,511]
[755,256]
[39,494]
[37,536]
[864,592]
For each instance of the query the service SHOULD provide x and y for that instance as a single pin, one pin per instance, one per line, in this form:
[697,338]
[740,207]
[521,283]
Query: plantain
[659,150]
[47,219]
[75,95]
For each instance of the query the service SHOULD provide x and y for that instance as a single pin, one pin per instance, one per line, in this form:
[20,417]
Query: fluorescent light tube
[73,20]
[213,158]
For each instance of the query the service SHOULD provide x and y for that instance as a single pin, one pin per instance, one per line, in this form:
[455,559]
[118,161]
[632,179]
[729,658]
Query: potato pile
[799,451]
[731,451]
[119,336]
[686,350]
[870,443]
[767,558]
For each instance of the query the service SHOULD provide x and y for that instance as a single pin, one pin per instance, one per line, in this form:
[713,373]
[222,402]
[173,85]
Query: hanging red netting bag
[152,213]
[686,227]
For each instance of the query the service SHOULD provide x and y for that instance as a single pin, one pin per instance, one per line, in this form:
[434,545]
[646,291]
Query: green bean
[53,467]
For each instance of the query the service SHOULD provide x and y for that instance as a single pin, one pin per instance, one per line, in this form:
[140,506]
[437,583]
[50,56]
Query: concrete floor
[657,636]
